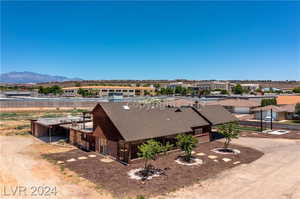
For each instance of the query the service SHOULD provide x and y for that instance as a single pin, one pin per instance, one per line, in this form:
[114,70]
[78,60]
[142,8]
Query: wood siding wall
[104,129]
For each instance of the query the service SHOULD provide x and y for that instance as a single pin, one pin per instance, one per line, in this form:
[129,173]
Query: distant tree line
[177,90]
[296,90]
[267,102]
[55,90]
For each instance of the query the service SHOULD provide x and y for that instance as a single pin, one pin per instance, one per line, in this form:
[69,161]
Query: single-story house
[119,128]
[283,112]
[238,106]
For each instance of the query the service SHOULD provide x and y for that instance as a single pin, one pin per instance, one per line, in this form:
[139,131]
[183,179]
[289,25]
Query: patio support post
[271,119]
[50,131]
[261,125]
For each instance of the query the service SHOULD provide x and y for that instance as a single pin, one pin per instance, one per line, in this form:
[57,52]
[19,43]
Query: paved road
[276,175]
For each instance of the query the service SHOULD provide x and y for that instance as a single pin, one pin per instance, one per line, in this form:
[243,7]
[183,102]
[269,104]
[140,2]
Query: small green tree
[238,89]
[77,84]
[296,90]
[297,109]
[186,143]
[224,92]
[266,102]
[229,131]
[150,150]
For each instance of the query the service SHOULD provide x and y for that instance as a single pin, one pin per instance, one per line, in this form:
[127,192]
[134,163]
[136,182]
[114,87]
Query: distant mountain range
[30,77]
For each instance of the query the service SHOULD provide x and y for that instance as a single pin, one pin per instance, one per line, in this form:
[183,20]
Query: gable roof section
[290,108]
[216,114]
[136,122]
[235,103]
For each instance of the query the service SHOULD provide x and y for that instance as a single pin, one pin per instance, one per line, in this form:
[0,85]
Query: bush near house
[186,143]
[229,131]
[149,151]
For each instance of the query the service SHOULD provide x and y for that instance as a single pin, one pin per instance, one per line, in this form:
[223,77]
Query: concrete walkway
[276,175]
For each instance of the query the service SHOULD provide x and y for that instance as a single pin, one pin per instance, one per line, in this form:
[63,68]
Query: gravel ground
[21,165]
[114,177]
[273,176]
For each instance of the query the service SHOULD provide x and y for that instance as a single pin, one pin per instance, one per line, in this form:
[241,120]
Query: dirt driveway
[276,175]
[21,166]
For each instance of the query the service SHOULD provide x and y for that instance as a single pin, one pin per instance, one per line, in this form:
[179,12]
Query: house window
[198,131]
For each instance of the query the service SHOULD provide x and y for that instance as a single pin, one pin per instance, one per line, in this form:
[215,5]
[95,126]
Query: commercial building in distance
[213,85]
[250,87]
[105,91]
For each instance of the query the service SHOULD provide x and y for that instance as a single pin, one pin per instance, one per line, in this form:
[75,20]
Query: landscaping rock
[82,158]
[194,161]
[106,160]
[226,159]
[60,162]
[71,160]
[237,162]
[201,154]
[135,174]
[212,157]
[226,151]
[92,156]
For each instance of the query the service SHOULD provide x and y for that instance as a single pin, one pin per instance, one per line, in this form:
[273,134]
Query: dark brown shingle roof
[144,122]
[216,114]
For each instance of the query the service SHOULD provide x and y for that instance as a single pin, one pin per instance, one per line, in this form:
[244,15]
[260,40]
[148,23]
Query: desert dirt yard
[276,175]
[21,166]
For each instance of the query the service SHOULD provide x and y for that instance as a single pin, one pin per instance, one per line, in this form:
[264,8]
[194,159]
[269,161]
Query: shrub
[296,90]
[150,150]
[229,131]
[238,89]
[186,143]
[266,102]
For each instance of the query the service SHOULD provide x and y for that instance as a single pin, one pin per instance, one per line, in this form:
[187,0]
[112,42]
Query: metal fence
[268,125]
[29,104]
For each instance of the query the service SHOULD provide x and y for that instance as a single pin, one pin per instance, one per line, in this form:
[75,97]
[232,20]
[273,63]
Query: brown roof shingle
[145,122]
[216,114]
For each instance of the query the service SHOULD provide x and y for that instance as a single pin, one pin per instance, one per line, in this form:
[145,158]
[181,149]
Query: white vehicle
[268,119]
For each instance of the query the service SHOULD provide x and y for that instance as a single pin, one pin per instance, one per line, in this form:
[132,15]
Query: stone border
[132,174]
[198,161]
[235,151]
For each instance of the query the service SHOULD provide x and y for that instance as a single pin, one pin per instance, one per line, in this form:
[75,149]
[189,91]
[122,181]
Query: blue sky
[152,40]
